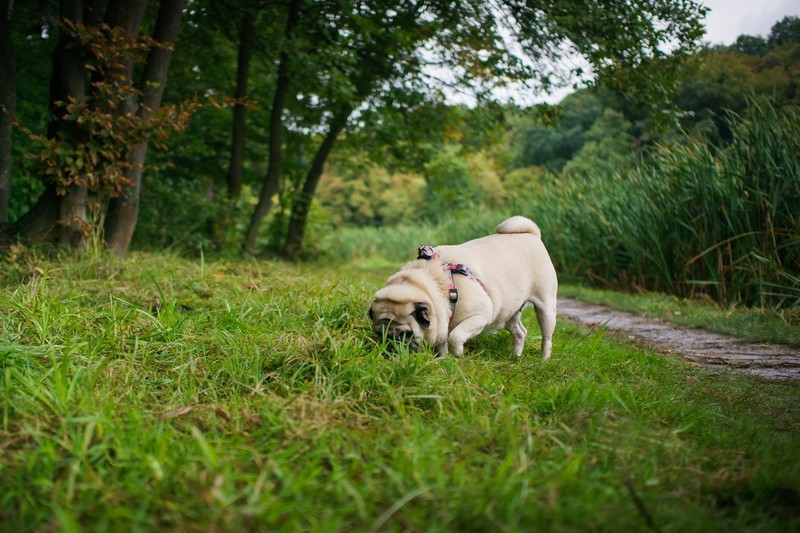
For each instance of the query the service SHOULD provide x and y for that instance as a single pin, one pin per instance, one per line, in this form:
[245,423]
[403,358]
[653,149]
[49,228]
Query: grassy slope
[256,399]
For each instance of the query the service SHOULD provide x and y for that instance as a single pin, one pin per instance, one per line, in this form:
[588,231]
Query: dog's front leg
[441,348]
[464,331]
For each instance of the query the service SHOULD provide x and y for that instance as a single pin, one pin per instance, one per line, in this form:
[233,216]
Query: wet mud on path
[713,350]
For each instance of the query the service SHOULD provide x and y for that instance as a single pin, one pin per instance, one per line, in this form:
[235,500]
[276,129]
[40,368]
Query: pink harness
[428,253]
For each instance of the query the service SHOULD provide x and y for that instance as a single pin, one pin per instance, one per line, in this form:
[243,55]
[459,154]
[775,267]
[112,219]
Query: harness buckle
[461,269]
[426,252]
[453,295]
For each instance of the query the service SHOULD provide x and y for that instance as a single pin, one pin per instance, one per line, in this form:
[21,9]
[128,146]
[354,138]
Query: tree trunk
[8,105]
[233,178]
[128,15]
[72,220]
[63,218]
[272,177]
[47,219]
[123,211]
[39,222]
[302,204]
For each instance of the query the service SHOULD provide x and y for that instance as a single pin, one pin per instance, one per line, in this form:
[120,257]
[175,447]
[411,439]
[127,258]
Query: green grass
[256,400]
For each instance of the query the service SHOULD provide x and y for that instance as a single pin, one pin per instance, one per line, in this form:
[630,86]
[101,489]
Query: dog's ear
[422,315]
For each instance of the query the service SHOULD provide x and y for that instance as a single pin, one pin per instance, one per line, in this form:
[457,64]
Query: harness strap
[428,253]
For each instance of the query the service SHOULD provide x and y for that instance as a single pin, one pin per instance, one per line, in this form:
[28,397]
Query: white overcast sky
[729,19]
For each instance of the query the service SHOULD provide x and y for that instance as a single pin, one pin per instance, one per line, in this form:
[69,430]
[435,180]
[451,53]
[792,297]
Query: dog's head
[402,314]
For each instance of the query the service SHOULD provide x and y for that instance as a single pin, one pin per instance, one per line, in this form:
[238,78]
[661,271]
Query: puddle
[713,350]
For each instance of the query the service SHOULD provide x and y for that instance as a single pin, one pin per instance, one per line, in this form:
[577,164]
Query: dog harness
[428,253]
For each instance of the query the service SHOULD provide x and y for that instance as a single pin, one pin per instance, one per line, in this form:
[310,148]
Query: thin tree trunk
[302,204]
[272,177]
[39,222]
[233,178]
[8,105]
[128,15]
[72,219]
[123,211]
[46,220]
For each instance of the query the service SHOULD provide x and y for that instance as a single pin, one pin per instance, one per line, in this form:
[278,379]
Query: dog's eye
[421,315]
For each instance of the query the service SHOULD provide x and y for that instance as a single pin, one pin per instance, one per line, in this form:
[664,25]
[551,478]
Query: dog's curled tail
[518,224]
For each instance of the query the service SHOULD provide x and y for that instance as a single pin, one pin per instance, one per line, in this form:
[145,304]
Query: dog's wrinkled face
[401,322]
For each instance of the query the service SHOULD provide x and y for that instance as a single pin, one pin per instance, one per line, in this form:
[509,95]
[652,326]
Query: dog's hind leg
[546,317]
[518,332]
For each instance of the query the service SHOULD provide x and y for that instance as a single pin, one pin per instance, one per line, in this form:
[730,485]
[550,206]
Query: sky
[729,19]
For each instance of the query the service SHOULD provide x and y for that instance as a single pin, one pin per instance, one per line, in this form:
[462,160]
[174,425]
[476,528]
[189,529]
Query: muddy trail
[711,350]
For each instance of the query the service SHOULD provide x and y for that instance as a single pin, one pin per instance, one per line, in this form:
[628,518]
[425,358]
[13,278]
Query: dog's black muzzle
[398,338]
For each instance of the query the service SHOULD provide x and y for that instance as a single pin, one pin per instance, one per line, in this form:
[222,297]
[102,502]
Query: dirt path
[695,345]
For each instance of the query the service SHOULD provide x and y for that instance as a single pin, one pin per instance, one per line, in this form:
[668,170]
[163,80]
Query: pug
[450,294]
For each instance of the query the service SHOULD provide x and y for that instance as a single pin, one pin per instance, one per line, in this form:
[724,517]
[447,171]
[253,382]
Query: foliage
[363,194]
[91,149]
[158,393]
[553,146]
[395,96]
[740,243]
[786,30]
[725,83]
[33,81]
[448,183]
[399,243]
[608,147]
[406,158]
[527,181]
[370,196]
[750,45]
[166,225]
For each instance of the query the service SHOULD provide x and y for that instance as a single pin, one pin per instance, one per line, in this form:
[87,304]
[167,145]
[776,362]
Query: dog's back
[513,264]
